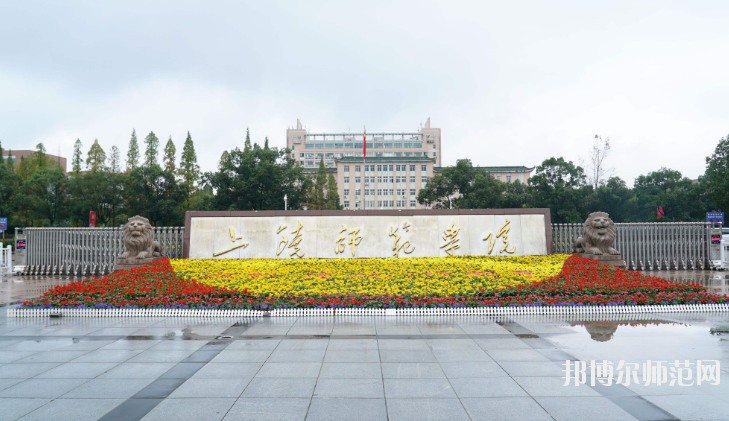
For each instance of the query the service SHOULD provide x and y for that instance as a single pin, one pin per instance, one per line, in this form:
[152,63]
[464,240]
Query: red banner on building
[92,219]
[660,213]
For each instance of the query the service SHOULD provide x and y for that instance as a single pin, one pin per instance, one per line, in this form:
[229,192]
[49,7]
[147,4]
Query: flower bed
[447,282]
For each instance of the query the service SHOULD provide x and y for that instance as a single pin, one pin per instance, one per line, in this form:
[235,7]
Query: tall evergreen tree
[133,152]
[40,156]
[265,145]
[115,160]
[247,146]
[96,160]
[150,155]
[169,157]
[2,160]
[319,199]
[77,160]
[10,163]
[332,193]
[189,170]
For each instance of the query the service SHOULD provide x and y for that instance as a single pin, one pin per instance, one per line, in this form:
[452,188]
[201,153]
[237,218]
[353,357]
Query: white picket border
[309,312]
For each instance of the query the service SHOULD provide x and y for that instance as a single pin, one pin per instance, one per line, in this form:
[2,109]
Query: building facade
[18,155]
[396,167]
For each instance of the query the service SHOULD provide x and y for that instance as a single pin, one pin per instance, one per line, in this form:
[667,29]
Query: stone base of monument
[608,259]
[122,264]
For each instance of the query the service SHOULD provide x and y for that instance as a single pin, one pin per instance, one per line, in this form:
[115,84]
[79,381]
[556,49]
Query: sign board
[3,224]
[715,238]
[92,219]
[20,244]
[715,217]
[374,234]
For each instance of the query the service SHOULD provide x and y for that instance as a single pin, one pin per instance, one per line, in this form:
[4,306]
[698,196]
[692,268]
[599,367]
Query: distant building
[18,155]
[396,167]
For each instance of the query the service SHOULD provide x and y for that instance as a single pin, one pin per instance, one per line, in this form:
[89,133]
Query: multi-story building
[396,167]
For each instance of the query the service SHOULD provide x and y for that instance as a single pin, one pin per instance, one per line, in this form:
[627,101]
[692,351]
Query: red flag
[364,144]
[92,219]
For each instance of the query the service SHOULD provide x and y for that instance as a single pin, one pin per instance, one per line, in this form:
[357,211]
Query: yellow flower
[419,276]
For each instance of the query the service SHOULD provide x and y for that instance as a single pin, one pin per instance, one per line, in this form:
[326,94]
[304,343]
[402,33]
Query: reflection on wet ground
[713,280]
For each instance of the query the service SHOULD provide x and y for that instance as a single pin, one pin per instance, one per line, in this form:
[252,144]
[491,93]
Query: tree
[77,160]
[35,162]
[617,199]
[169,157]
[484,192]
[247,146]
[133,152]
[96,160]
[189,170]
[516,195]
[666,188]
[115,160]
[9,185]
[332,193]
[48,188]
[257,179]
[318,195]
[10,162]
[150,154]
[597,170]
[557,185]
[717,174]
[443,190]
[2,160]
[155,194]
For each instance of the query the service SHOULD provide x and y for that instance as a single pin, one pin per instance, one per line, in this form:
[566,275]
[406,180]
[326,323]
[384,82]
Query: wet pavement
[351,367]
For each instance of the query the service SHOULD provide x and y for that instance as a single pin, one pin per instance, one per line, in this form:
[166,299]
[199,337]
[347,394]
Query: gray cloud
[509,83]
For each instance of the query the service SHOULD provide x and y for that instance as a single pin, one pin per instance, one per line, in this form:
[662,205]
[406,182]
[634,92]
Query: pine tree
[189,170]
[115,160]
[332,193]
[133,153]
[96,160]
[247,147]
[224,160]
[41,159]
[265,145]
[319,199]
[2,160]
[150,155]
[169,157]
[10,163]
[77,159]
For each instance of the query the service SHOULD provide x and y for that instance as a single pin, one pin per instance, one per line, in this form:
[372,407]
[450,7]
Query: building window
[498,177]
[309,163]
[379,179]
[412,179]
[346,168]
[379,168]
[412,192]
[391,193]
[372,192]
[346,204]
[379,203]
[346,180]
[423,168]
[391,167]
[356,168]
[412,203]
[367,192]
[508,178]
[301,155]
[392,203]
[424,179]
[412,168]
[346,192]
[357,179]
[392,180]
[356,205]
[379,192]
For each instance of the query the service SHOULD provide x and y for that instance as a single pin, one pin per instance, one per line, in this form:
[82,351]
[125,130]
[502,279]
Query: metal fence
[86,251]
[651,245]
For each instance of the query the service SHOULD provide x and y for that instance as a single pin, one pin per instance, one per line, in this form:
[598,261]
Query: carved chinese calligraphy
[233,239]
[353,241]
[284,242]
[451,237]
[404,246]
[504,234]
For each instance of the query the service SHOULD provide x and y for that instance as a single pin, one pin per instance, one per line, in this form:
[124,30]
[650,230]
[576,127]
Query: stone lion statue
[139,239]
[598,235]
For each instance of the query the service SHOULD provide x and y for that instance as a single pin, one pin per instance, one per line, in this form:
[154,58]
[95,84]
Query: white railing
[6,260]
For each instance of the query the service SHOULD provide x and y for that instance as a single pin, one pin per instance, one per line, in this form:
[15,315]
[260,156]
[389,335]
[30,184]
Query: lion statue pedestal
[598,236]
[139,244]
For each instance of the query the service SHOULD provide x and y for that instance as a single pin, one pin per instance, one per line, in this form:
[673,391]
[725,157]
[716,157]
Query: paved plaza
[351,368]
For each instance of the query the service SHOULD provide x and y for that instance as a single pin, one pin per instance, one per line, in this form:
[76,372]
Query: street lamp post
[450,202]
[286,202]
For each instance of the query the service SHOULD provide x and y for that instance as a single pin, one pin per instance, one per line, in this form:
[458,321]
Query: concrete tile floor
[347,368]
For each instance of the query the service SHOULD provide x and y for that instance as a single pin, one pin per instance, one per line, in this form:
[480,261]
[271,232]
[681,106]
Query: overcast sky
[509,83]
